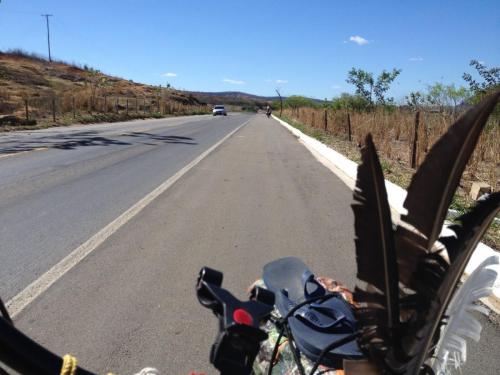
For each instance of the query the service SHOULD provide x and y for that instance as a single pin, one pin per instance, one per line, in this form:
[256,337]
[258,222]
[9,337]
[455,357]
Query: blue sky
[303,47]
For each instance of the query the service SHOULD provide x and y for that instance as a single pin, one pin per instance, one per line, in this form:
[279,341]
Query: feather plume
[451,350]
[375,253]
[437,178]
[466,222]
[443,167]
[425,277]
[421,332]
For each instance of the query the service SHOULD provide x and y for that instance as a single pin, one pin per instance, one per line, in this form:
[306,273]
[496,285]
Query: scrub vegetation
[37,93]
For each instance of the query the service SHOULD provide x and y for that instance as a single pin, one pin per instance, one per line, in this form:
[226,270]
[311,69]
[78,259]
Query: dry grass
[23,76]
[393,135]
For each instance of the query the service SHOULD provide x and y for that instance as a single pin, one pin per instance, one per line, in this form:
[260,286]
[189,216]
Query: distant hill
[26,75]
[238,98]
[232,98]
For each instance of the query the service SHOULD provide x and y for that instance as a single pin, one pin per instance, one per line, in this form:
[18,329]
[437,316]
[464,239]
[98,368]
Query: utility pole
[48,32]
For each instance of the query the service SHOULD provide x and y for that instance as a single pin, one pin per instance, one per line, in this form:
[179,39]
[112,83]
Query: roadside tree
[371,90]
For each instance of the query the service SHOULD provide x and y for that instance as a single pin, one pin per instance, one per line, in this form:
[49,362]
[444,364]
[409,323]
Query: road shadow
[71,144]
[87,138]
[61,142]
[163,138]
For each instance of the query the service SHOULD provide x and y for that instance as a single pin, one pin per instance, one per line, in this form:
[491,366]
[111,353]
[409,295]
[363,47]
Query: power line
[48,32]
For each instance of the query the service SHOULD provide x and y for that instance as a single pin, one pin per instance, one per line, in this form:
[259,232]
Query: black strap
[27,357]
[5,313]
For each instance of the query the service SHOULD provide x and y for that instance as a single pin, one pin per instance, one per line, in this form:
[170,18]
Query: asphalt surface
[65,184]
[131,303]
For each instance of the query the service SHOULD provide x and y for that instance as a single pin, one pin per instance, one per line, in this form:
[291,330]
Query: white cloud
[416,58]
[358,40]
[336,87]
[277,81]
[233,81]
[481,62]
[169,74]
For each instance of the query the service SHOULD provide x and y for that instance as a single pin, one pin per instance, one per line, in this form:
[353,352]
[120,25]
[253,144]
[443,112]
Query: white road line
[36,288]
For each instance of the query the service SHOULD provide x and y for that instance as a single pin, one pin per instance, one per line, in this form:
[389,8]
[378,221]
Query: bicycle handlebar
[239,337]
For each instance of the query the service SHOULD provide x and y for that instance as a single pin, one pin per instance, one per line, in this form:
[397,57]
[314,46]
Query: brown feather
[433,185]
[473,226]
[427,278]
[375,250]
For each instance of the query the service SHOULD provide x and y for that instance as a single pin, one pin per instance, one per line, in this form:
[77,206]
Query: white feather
[451,350]
[148,371]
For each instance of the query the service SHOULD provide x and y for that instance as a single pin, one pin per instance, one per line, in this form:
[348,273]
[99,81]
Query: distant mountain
[232,98]
[237,98]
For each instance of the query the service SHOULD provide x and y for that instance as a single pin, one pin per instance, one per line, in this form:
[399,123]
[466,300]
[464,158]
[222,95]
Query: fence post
[426,137]
[73,106]
[26,108]
[326,120]
[349,132]
[413,156]
[116,104]
[54,108]
[127,106]
[159,112]
[136,106]
[144,106]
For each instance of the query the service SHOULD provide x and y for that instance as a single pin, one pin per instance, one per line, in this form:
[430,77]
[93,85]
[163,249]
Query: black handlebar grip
[262,295]
[210,276]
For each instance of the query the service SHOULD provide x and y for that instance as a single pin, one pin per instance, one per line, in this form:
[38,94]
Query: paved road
[131,303]
[79,179]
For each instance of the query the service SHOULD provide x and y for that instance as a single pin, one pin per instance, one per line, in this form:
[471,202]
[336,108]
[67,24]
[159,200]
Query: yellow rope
[69,365]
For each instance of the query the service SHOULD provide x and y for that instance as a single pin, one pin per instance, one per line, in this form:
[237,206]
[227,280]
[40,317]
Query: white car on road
[219,110]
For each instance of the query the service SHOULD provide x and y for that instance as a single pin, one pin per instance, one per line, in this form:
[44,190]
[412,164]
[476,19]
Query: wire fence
[403,135]
[54,108]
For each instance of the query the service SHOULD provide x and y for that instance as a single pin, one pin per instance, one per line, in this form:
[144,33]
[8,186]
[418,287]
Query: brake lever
[239,337]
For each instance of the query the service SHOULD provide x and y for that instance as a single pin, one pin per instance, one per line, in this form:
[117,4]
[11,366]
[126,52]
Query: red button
[240,316]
